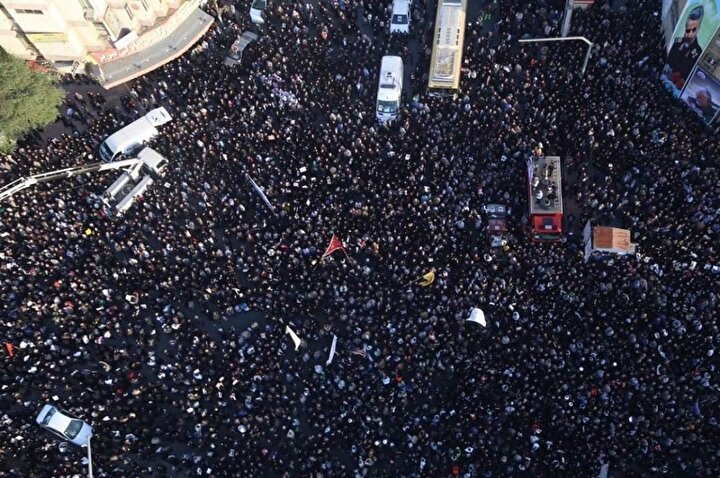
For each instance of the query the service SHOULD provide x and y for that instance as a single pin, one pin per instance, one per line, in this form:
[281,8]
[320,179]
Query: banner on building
[702,95]
[59,37]
[692,32]
[710,59]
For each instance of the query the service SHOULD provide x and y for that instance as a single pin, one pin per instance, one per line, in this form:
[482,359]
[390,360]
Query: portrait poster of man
[693,32]
[702,95]
[671,11]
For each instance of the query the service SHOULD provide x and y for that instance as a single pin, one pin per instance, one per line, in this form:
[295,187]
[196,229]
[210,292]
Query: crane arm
[25,182]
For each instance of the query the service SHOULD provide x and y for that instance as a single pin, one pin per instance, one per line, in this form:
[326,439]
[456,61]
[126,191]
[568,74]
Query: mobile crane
[129,184]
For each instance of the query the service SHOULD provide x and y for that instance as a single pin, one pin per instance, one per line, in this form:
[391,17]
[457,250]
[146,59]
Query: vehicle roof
[499,209]
[59,421]
[611,238]
[548,169]
[496,224]
[446,58]
[151,158]
[246,38]
[546,223]
[391,63]
[158,116]
[401,7]
[139,130]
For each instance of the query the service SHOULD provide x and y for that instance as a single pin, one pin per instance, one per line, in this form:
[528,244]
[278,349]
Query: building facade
[83,36]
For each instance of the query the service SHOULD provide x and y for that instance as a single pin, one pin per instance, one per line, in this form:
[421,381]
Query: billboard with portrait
[671,11]
[702,95]
[694,30]
[710,59]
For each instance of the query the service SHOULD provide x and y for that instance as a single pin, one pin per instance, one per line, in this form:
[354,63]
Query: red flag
[10,349]
[335,244]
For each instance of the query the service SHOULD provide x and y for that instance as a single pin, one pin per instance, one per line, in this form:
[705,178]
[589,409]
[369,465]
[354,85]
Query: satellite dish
[477,316]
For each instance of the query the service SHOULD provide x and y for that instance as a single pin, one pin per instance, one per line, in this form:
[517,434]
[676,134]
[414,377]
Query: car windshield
[259,4]
[546,237]
[387,107]
[73,429]
[48,416]
[400,19]
[106,152]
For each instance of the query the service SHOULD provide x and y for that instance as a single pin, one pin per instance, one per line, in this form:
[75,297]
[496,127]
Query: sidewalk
[112,97]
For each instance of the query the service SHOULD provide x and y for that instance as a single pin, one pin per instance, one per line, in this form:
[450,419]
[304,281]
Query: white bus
[132,136]
[446,60]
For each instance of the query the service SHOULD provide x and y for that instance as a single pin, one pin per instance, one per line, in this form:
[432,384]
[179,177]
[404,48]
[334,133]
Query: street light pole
[90,472]
[587,55]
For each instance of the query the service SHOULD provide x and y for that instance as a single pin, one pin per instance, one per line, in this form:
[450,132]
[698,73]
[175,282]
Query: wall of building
[69,30]
[11,40]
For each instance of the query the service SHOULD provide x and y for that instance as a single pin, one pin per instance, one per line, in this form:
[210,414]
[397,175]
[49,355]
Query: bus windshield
[387,107]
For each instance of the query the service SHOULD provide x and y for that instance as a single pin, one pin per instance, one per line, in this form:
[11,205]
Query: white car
[66,427]
[400,20]
[256,11]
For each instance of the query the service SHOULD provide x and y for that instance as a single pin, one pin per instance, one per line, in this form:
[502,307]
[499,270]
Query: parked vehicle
[63,425]
[133,136]
[236,50]
[400,20]
[545,198]
[497,223]
[389,88]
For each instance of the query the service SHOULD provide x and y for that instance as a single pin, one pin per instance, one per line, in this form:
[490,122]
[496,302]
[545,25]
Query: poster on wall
[670,18]
[702,95]
[694,30]
[710,59]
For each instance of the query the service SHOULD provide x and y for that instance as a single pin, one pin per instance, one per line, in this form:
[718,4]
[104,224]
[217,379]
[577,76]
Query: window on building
[28,11]
[145,5]
[85,4]
[101,29]
[129,11]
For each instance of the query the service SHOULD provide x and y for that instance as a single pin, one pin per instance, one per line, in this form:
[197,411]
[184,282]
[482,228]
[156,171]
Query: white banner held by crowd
[261,193]
[332,350]
[297,340]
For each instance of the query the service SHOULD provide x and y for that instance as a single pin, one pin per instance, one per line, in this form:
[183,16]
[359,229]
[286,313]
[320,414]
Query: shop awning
[164,43]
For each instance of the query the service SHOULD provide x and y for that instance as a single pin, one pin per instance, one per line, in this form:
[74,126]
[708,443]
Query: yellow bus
[446,60]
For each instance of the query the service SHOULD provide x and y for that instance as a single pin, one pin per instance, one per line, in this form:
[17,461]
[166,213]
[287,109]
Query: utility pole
[90,471]
[587,55]
[569,6]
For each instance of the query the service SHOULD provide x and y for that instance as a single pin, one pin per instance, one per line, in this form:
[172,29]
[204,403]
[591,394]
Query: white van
[389,88]
[133,135]
[400,20]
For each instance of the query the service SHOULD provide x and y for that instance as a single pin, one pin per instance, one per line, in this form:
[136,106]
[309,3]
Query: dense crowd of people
[165,328]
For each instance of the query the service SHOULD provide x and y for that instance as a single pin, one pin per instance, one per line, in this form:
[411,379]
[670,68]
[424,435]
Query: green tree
[28,99]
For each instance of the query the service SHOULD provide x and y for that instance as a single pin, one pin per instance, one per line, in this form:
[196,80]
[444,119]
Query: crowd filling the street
[171,329]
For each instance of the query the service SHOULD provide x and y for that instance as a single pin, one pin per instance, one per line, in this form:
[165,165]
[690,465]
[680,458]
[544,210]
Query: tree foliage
[28,99]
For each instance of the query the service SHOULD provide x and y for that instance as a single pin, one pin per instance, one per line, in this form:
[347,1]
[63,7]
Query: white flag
[293,336]
[332,350]
[261,193]
[477,316]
